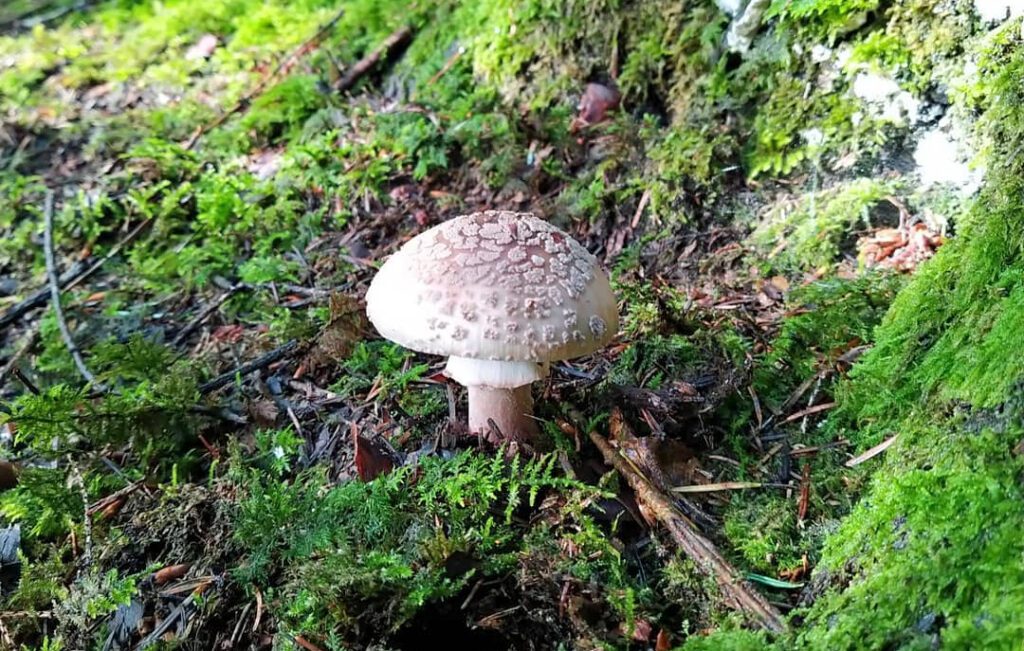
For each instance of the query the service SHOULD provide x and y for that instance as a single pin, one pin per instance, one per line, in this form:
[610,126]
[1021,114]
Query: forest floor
[817,249]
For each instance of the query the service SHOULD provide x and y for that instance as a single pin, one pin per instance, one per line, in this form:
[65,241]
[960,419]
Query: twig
[284,64]
[872,452]
[645,198]
[110,254]
[30,341]
[259,363]
[448,65]
[722,486]
[398,39]
[259,611]
[107,500]
[51,272]
[825,406]
[40,297]
[814,449]
[736,591]
[205,313]
[306,644]
[238,625]
[76,478]
[27,614]
[70,278]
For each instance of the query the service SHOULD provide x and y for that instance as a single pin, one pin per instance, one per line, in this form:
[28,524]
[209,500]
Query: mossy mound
[722,180]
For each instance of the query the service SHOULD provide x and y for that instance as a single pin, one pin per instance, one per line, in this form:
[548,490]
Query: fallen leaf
[899,248]
[228,333]
[263,412]
[265,163]
[780,283]
[664,641]
[373,457]
[345,327]
[642,630]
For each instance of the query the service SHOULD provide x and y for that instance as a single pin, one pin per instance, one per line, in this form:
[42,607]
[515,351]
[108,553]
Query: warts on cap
[494,286]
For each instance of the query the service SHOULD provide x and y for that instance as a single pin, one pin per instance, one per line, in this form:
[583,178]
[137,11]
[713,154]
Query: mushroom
[501,294]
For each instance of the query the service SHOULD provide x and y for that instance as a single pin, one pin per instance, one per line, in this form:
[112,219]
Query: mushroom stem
[510,409]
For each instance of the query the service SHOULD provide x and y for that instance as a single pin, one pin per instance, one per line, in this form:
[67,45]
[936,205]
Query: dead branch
[397,40]
[286,63]
[737,592]
[39,297]
[70,278]
[51,272]
[260,362]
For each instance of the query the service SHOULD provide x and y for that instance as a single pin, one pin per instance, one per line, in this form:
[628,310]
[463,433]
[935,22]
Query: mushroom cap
[494,285]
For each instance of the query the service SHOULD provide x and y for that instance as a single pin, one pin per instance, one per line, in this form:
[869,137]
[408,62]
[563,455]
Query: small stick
[825,406]
[110,254]
[260,362]
[399,38]
[872,452]
[204,314]
[51,272]
[27,614]
[30,340]
[70,278]
[76,479]
[238,625]
[448,65]
[40,297]
[106,501]
[723,486]
[645,198]
[306,644]
[736,591]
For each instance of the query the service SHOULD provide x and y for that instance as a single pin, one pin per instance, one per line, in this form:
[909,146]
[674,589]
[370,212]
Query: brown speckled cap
[494,286]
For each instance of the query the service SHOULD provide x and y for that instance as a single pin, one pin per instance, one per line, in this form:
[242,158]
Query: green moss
[727,640]
[808,234]
[281,110]
[936,534]
[829,318]
[404,533]
[932,552]
[821,18]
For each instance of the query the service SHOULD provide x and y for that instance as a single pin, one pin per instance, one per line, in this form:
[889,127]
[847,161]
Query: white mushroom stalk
[499,394]
[502,294]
